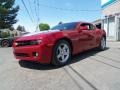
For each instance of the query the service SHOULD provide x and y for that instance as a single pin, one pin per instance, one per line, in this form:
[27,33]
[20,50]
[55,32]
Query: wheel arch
[4,40]
[55,43]
[104,36]
[66,39]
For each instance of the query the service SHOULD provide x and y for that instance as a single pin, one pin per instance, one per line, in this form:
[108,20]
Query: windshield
[66,26]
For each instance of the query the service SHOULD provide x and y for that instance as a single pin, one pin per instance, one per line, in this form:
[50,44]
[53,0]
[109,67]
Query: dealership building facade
[111,19]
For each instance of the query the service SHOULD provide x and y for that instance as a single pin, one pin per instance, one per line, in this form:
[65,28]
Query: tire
[5,43]
[102,45]
[61,53]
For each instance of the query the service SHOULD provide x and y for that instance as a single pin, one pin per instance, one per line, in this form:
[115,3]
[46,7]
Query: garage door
[111,32]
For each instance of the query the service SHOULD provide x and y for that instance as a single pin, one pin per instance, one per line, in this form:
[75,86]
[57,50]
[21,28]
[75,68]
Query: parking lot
[91,70]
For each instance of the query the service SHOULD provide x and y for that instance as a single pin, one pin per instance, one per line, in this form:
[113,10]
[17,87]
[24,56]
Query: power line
[31,9]
[63,9]
[27,10]
[36,7]
[38,10]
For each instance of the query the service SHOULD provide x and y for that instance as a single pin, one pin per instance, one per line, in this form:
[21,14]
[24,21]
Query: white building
[111,19]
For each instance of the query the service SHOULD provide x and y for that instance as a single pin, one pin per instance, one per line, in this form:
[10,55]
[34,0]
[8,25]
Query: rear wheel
[102,45]
[61,53]
[5,43]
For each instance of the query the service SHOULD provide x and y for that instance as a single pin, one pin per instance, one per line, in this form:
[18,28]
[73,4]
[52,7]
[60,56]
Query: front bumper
[36,53]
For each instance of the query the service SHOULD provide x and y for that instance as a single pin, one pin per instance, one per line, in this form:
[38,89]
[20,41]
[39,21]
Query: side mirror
[83,28]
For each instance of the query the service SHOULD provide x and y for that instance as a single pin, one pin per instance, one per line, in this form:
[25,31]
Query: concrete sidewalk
[91,70]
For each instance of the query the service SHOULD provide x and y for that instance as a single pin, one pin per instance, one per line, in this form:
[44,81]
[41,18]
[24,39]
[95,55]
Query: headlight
[28,43]
[35,42]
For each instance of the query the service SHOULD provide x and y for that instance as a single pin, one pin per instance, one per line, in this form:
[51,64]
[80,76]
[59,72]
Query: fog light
[35,54]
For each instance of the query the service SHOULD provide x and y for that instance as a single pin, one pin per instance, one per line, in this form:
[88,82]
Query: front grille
[23,43]
[22,54]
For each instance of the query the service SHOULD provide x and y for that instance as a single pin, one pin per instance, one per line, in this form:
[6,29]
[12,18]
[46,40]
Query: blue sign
[106,2]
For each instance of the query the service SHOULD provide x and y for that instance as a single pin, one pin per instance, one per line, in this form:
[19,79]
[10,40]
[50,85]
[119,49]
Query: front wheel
[61,53]
[102,45]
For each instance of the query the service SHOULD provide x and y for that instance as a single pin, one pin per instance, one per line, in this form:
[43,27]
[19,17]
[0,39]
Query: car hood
[36,35]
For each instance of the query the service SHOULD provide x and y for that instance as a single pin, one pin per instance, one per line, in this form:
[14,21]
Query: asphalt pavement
[91,70]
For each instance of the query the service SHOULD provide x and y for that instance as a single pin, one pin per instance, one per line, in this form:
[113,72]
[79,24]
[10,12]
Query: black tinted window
[92,27]
[66,26]
[89,26]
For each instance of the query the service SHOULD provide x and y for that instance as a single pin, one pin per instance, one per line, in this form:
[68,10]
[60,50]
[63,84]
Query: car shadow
[84,55]
[75,59]
[36,66]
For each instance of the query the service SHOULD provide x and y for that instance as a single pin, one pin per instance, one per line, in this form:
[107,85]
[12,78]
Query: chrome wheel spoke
[59,55]
[60,49]
[66,53]
[63,52]
[63,57]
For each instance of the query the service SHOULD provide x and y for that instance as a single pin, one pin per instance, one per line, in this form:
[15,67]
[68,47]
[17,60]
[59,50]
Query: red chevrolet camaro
[57,45]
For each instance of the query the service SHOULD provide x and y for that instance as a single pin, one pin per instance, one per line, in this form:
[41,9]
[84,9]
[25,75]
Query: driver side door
[86,36]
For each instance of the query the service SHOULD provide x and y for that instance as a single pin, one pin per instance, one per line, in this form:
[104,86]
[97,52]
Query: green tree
[24,30]
[8,13]
[21,28]
[60,22]
[44,26]
[12,28]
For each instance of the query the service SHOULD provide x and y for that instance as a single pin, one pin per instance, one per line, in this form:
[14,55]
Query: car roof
[77,22]
[83,22]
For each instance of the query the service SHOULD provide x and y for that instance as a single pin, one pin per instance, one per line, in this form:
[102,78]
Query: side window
[92,27]
[85,25]
[88,26]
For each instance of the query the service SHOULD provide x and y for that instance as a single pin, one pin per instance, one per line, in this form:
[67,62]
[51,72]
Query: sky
[54,11]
